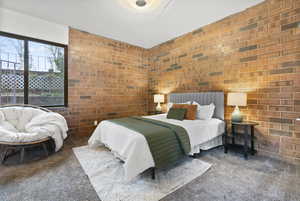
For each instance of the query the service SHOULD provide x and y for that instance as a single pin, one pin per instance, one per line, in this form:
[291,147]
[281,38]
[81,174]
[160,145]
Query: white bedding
[133,149]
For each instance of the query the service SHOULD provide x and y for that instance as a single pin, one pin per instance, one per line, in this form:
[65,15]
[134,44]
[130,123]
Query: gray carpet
[61,178]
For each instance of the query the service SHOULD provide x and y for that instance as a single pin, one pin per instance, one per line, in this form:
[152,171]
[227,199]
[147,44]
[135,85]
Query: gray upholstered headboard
[203,98]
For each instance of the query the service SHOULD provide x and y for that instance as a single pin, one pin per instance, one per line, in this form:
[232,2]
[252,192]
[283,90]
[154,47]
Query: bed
[132,147]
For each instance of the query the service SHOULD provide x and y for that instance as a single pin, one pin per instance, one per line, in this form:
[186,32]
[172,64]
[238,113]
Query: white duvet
[24,125]
[133,149]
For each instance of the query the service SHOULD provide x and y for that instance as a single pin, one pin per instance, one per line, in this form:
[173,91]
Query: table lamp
[237,99]
[159,98]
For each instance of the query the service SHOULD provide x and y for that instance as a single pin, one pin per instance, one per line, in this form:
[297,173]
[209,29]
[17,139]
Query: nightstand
[248,136]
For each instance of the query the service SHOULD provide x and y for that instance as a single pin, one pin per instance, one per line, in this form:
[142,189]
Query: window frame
[26,64]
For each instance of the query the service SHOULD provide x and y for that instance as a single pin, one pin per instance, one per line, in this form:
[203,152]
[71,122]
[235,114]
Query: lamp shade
[159,98]
[237,99]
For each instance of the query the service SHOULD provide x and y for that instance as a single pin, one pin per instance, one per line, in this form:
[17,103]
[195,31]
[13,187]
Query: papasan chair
[27,126]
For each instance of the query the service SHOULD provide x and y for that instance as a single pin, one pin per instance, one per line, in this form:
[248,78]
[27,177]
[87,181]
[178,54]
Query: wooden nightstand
[248,135]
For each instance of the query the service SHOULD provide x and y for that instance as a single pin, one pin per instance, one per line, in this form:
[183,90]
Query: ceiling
[159,21]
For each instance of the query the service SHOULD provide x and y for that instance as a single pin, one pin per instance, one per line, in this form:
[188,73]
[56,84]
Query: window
[32,71]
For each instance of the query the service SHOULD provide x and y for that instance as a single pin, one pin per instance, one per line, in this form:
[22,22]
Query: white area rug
[106,175]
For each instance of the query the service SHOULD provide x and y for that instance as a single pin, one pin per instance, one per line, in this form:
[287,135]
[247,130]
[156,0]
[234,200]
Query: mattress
[132,147]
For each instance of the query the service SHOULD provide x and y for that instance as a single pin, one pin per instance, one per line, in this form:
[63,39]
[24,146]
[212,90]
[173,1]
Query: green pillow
[177,113]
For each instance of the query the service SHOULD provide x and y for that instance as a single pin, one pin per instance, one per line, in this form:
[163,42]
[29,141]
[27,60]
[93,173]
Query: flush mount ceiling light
[141,3]
[153,7]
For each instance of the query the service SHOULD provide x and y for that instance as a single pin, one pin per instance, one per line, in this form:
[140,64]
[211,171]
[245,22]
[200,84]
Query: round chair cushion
[13,121]
[19,116]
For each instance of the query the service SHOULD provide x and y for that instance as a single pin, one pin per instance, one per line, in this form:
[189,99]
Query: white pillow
[205,112]
[169,105]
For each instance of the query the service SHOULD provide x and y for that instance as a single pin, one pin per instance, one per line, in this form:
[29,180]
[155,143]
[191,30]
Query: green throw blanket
[168,143]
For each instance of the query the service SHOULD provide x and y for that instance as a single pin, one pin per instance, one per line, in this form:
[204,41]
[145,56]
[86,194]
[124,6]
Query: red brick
[105,77]
[256,56]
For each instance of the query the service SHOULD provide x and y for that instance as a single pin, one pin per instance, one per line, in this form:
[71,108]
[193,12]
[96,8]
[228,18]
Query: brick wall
[256,51]
[107,79]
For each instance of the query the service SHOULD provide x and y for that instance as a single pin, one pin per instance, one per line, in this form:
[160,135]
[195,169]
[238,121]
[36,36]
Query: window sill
[56,107]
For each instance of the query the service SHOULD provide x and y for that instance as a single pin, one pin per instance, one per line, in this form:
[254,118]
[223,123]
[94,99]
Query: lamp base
[236,116]
[158,107]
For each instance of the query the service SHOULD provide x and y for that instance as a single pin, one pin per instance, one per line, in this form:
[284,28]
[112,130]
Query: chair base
[22,148]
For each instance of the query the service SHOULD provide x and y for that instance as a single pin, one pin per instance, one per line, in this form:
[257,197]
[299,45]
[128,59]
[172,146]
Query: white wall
[25,25]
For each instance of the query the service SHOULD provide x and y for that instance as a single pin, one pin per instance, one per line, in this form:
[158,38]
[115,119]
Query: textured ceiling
[158,22]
